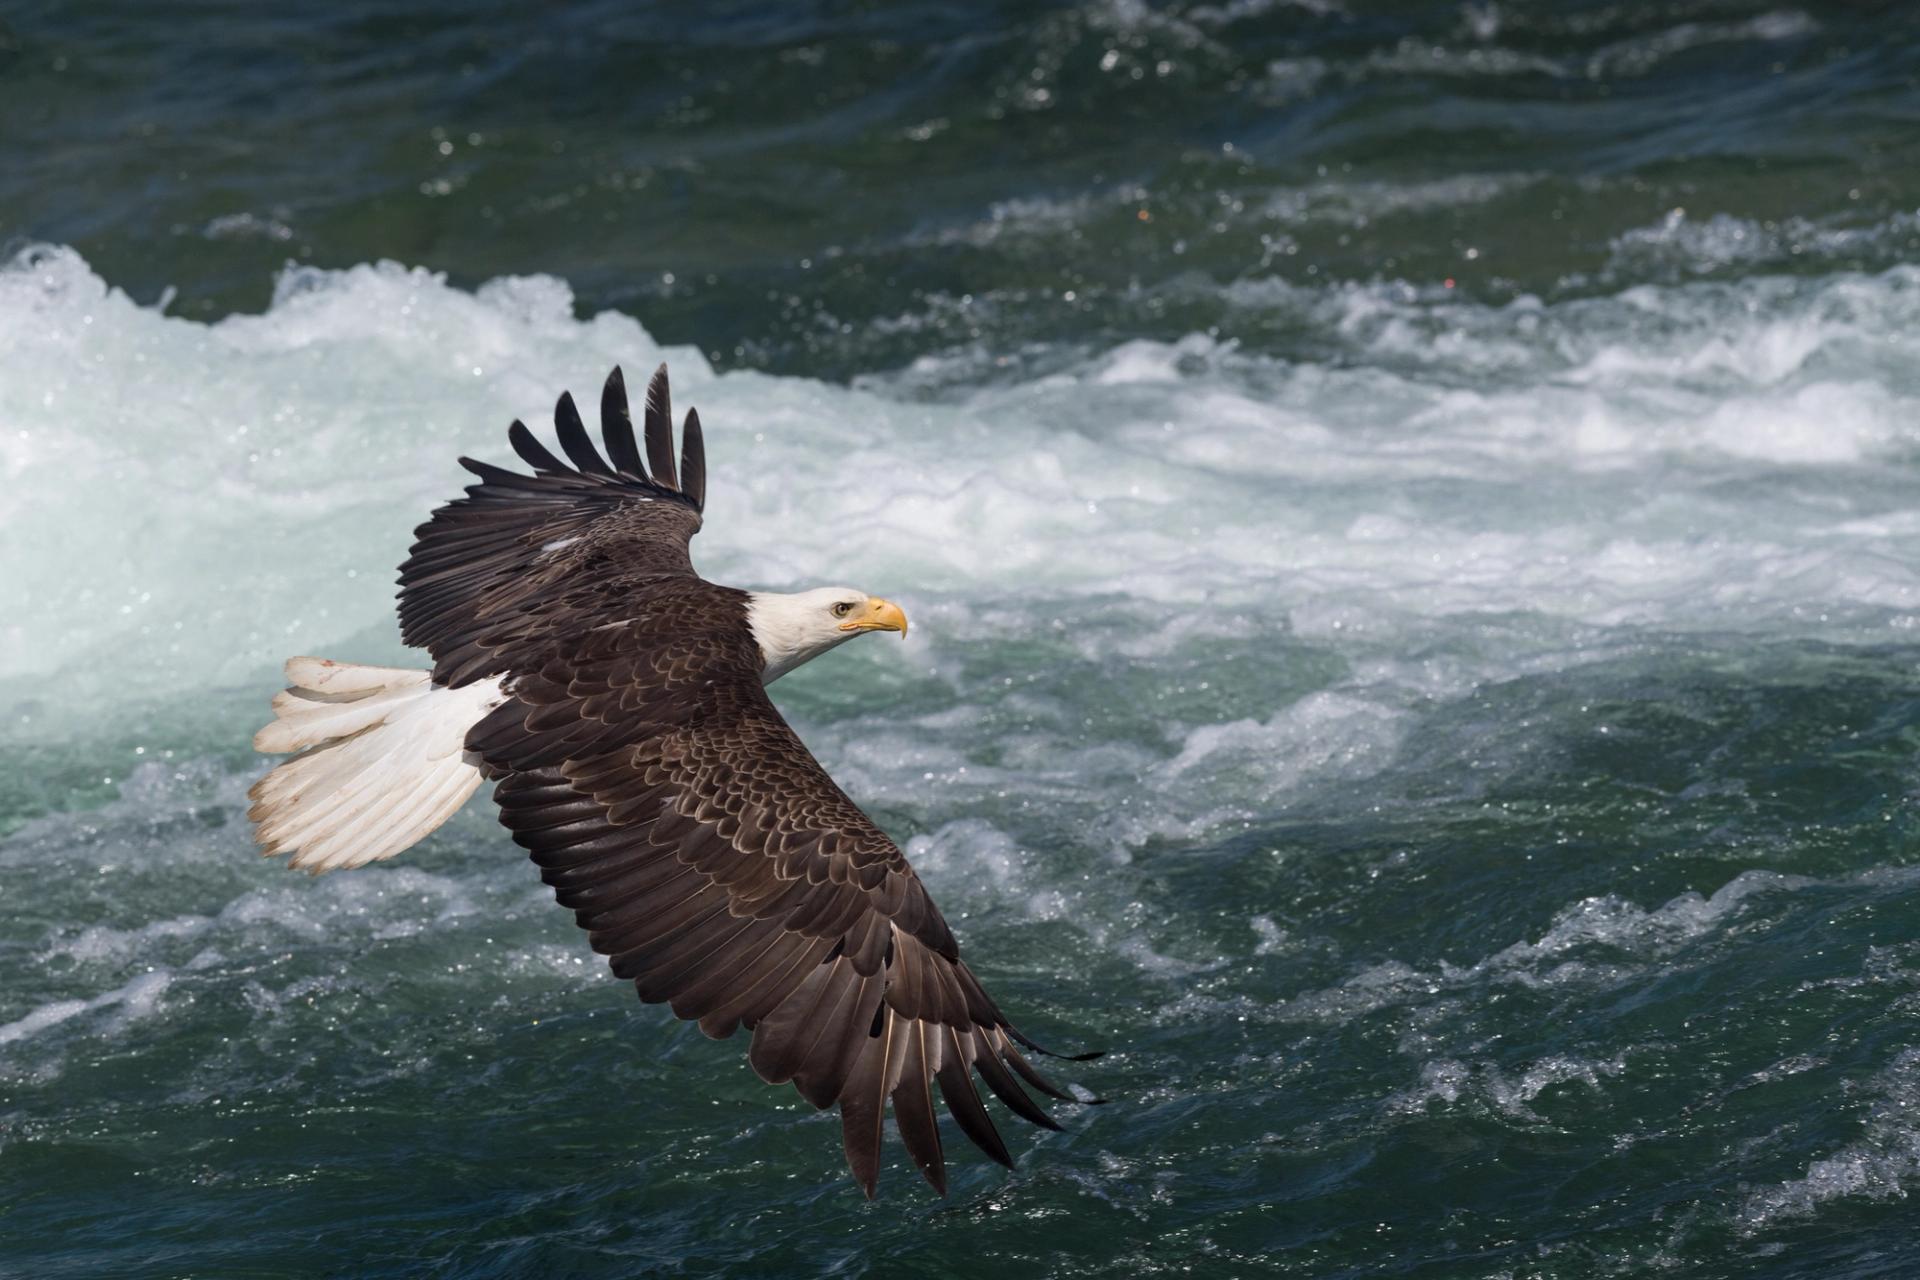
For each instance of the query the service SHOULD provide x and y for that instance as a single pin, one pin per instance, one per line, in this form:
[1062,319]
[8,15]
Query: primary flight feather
[617,701]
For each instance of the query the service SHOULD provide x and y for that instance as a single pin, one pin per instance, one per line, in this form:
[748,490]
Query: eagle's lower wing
[715,863]
[497,575]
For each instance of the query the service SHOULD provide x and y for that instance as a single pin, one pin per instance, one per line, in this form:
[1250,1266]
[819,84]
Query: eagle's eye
[842,609]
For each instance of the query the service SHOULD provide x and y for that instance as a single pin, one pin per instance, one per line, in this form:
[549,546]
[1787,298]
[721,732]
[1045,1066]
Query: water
[1407,513]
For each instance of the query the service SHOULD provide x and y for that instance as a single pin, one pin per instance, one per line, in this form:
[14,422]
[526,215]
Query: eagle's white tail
[382,761]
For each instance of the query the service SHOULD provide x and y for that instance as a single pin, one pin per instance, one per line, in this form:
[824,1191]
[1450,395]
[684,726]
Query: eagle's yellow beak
[880,615]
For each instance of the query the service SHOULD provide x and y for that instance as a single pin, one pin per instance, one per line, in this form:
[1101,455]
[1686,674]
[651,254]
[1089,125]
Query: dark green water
[1409,518]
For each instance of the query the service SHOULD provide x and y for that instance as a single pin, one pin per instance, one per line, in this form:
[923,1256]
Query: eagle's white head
[798,627]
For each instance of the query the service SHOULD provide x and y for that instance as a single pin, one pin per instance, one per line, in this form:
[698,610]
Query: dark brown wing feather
[496,579]
[718,867]
[660,428]
[616,428]
[693,459]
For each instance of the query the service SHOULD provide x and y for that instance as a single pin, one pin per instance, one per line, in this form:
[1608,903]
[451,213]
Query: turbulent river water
[1409,517]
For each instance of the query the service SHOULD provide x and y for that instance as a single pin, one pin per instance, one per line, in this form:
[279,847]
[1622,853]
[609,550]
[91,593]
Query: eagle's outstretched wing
[705,851]
[524,561]
[715,863]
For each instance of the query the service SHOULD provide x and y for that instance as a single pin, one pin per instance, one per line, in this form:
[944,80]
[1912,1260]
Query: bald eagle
[617,702]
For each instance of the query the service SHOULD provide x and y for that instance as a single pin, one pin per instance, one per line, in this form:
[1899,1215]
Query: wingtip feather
[693,461]
[574,438]
[532,452]
[659,430]
[616,426]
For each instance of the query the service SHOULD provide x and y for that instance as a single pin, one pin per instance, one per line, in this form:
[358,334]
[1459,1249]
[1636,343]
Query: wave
[186,502]
[1311,632]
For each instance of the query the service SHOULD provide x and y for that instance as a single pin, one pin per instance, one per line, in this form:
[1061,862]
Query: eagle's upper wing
[495,577]
[709,855]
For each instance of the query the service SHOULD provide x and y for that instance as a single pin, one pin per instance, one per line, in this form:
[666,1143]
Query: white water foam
[1476,492]
[1882,1164]
[188,502]
[1477,56]
[177,915]
[1682,244]
[1450,1082]
[134,999]
[1594,943]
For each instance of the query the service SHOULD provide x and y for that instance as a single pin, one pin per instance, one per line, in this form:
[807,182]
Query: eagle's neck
[790,630]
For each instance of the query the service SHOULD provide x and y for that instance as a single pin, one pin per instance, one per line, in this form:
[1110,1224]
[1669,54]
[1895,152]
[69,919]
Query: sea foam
[189,502]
